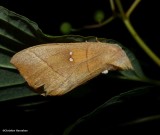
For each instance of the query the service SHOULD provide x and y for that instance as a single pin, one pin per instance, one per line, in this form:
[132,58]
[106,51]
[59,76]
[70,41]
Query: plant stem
[132,7]
[112,6]
[119,5]
[100,24]
[140,42]
[135,35]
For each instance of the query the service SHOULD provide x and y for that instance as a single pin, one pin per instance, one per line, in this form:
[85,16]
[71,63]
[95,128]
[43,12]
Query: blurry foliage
[65,28]
[99,16]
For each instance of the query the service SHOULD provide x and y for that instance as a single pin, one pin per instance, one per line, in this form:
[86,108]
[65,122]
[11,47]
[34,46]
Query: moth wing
[60,67]
[40,65]
[50,66]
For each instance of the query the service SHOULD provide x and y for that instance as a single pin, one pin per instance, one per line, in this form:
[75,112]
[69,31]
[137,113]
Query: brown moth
[60,67]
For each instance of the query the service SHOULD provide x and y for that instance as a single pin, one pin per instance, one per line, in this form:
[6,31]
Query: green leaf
[6,49]
[10,78]
[137,73]
[17,31]
[10,93]
[110,111]
[5,61]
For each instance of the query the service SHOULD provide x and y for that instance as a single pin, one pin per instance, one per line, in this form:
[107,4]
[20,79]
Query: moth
[61,67]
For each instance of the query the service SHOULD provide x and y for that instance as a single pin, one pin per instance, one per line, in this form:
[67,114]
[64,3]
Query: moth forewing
[60,67]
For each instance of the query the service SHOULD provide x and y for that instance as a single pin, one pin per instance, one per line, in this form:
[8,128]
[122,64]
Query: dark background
[54,115]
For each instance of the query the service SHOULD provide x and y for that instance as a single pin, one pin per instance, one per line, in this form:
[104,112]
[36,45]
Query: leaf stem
[120,7]
[112,6]
[100,24]
[140,42]
[132,7]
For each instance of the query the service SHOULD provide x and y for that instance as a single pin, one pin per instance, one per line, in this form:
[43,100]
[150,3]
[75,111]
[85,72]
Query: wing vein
[46,63]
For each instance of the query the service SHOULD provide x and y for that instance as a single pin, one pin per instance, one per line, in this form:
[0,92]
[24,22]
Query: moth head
[117,59]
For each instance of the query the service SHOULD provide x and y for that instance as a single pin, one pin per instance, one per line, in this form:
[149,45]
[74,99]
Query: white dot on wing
[70,59]
[70,53]
[105,72]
